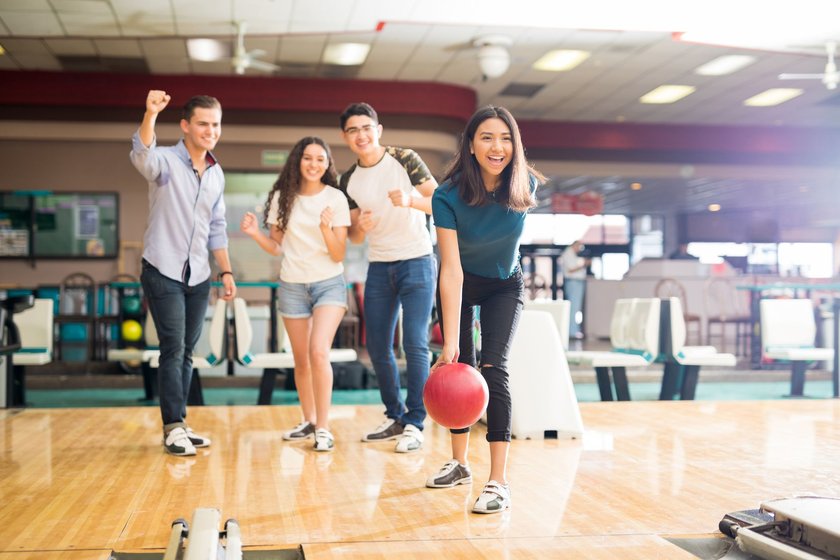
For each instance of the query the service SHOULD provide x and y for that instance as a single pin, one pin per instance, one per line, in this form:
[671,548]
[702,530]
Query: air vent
[514,89]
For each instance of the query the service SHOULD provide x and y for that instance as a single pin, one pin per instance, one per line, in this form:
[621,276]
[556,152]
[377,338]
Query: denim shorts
[297,301]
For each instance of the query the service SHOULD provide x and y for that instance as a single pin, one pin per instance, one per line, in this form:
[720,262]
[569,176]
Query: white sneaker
[493,499]
[178,443]
[197,440]
[389,429]
[410,440]
[323,440]
[451,474]
[304,430]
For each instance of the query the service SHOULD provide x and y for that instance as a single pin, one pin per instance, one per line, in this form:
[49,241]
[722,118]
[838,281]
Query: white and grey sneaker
[493,499]
[451,474]
[323,440]
[178,443]
[410,440]
[197,440]
[304,430]
[389,429]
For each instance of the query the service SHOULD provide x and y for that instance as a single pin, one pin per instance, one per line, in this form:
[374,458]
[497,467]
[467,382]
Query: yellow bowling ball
[131,330]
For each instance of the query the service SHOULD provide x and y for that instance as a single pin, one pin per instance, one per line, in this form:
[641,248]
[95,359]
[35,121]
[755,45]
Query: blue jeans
[178,311]
[574,289]
[410,283]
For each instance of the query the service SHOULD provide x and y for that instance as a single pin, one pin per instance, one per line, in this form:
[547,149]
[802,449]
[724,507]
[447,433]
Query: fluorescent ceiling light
[723,65]
[207,50]
[773,96]
[346,54]
[667,94]
[560,60]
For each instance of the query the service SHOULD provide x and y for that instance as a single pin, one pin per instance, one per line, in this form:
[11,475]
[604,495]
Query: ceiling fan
[830,77]
[240,59]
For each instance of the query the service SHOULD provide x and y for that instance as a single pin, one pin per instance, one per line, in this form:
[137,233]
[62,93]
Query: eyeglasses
[354,131]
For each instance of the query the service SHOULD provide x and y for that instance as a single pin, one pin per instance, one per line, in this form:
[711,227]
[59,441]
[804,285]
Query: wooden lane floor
[89,480]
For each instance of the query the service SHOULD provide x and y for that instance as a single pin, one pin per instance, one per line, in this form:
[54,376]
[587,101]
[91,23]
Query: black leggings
[501,303]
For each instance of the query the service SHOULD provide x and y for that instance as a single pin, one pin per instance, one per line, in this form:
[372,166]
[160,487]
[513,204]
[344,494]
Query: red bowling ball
[455,395]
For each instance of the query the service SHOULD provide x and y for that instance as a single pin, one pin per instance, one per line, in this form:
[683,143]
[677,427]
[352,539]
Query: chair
[35,326]
[634,335]
[216,355]
[670,287]
[77,304]
[788,332]
[268,362]
[724,307]
[683,363]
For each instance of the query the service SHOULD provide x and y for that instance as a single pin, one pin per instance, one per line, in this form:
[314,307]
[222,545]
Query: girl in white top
[307,218]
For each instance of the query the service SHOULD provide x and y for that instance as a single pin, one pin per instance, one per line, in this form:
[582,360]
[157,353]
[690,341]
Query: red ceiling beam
[254,93]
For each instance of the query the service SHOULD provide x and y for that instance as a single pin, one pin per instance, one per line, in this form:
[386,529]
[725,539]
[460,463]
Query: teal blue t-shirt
[488,236]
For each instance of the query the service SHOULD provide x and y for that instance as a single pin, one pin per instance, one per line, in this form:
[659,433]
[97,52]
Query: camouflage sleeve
[343,182]
[418,172]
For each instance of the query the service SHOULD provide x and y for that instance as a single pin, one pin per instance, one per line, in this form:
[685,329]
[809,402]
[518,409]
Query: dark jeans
[410,283]
[178,311]
[500,302]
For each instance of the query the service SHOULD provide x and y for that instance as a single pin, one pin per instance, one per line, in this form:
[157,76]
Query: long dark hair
[515,188]
[288,183]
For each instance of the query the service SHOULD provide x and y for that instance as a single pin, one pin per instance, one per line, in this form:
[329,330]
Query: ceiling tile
[303,48]
[118,47]
[164,47]
[97,25]
[308,16]
[168,65]
[26,5]
[32,23]
[90,7]
[37,61]
[17,47]
[71,46]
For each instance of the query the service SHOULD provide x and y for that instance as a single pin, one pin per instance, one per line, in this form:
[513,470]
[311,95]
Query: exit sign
[274,158]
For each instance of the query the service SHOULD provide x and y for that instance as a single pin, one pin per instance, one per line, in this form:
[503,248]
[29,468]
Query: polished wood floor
[76,484]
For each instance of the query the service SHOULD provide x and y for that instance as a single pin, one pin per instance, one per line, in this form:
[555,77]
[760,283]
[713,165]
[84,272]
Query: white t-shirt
[569,259]
[399,233]
[305,255]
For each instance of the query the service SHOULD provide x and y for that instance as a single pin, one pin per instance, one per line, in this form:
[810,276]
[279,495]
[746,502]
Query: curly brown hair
[288,182]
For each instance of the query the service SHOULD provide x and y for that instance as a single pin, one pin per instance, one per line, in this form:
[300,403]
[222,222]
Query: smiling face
[492,147]
[313,163]
[204,128]
[361,133]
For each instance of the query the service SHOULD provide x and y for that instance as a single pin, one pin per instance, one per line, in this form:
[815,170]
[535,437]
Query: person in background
[479,213]
[186,221]
[574,283]
[390,192]
[307,217]
[682,253]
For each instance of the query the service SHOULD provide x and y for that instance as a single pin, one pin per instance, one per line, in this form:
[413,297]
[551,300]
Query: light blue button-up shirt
[186,214]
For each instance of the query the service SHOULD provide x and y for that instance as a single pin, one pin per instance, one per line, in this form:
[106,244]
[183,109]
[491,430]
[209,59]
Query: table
[756,291]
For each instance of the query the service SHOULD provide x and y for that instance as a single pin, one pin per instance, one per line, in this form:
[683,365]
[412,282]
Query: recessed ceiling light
[773,96]
[667,94]
[560,60]
[346,54]
[714,207]
[723,65]
[636,186]
[207,50]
